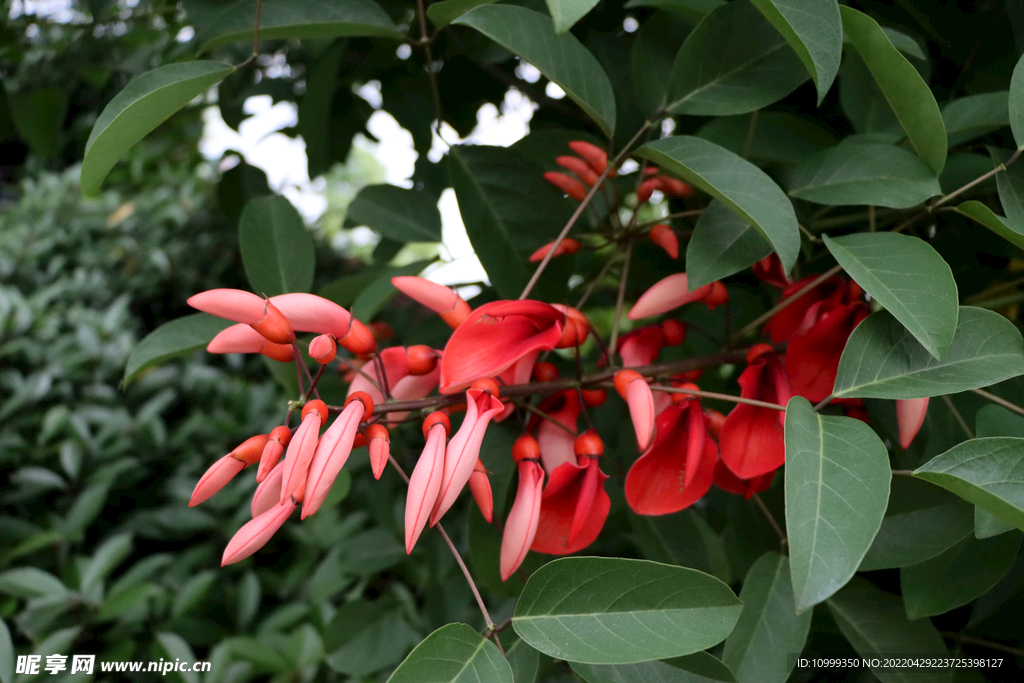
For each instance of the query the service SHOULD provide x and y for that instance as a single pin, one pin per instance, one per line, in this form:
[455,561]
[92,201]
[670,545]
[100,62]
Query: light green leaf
[524,660]
[700,667]
[277,249]
[177,647]
[883,360]
[993,420]
[971,117]
[814,29]
[735,182]
[999,225]
[908,277]
[859,173]
[6,654]
[111,553]
[987,525]
[911,537]
[876,625]
[146,102]
[176,338]
[221,23]
[562,58]
[453,654]
[733,62]
[447,11]
[619,611]
[31,582]
[904,89]
[837,488]
[957,576]
[1016,103]
[566,13]
[1010,185]
[988,472]
[760,648]
[397,213]
[690,10]
[779,137]
[723,243]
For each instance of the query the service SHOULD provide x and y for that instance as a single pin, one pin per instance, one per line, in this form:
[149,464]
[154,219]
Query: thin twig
[771,519]
[903,473]
[382,376]
[761,319]
[693,213]
[1016,652]
[425,40]
[314,382]
[1000,401]
[959,418]
[980,179]
[620,298]
[717,396]
[595,282]
[544,416]
[299,365]
[255,39]
[824,402]
[360,371]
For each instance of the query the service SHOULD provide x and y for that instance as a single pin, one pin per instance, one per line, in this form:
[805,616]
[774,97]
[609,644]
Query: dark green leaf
[146,102]
[619,611]
[700,667]
[177,648]
[876,625]
[378,293]
[684,539]
[277,249]
[779,137]
[735,182]
[837,488]
[396,213]
[453,654]
[908,277]
[1016,103]
[6,654]
[524,660]
[38,115]
[988,472]
[111,553]
[883,360]
[994,222]
[957,576]
[911,537]
[760,649]
[365,638]
[565,13]
[176,338]
[971,117]
[192,592]
[863,102]
[651,57]
[447,11]
[907,93]
[723,243]
[987,525]
[1010,184]
[221,23]
[733,62]
[31,582]
[814,30]
[562,58]
[859,173]
[692,11]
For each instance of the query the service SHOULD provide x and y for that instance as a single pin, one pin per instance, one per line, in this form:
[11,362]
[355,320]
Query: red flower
[727,481]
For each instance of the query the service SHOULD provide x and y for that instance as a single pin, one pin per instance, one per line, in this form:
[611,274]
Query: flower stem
[720,397]
[764,317]
[618,303]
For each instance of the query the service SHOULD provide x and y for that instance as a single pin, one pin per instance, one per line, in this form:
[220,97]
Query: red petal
[330,456]
[424,485]
[752,441]
[664,295]
[910,416]
[560,503]
[521,525]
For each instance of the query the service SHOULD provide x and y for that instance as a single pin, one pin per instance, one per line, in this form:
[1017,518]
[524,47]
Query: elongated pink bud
[425,482]
[268,493]
[332,452]
[256,532]
[665,237]
[640,400]
[580,168]
[595,157]
[438,298]
[215,478]
[664,295]
[272,452]
[569,186]
[323,349]
[300,451]
[230,304]
[521,525]
[378,442]
[910,415]
[480,487]
[567,246]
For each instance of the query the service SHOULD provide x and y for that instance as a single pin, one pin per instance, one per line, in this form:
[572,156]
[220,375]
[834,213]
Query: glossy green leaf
[6,654]
[566,13]
[397,213]
[453,654]
[998,224]
[562,58]
[859,173]
[957,576]
[447,11]
[700,667]
[31,582]
[735,182]
[619,611]
[277,249]
[971,117]
[904,89]
[908,277]
[814,29]
[875,624]
[988,472]
[733,62]
[883,360]
[146,102]
[837,489]
[1010,185]
[911,537]
[176,338]
[760,649]
[987,525]
[221,23]
[779,137]
[863,102]
[1016,103]
[723,243]
[691,10]
[177,648]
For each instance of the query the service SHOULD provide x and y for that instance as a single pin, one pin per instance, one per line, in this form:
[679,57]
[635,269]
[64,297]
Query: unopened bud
[323,349]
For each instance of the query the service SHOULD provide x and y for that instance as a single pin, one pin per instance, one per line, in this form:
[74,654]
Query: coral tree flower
[446,302]
[631,386]
[425,482]
[225,469]
[521,525]
[378,442]
[494,337]
[910,415]
[752,439]
[672,292]
[480,487]
[567,246]
[556,442]
[333,449]
[301,449]
[256,532]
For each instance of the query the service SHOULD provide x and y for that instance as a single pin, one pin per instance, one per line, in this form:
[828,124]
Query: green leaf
[735,182]
[222,23]
[723,243]
[365,638]
[524,660]
[562,58]
[734,62]
[176,338]
[1010,185]
[982,214]
[111,553]
[277,249]
[876,625]
[619,611]
[971,117]
[993,420]
[566,13]
[904,89]
[908,277]
[814,30]
[883,360]
[397,213]
[685,539]
[864,173]
[911,537]
[176,647]
[31,582]
[988,472]
[378,293]
[453,654]
[1016,103]
[6,654]
[700,667]
[146,102]
[957,576]
[779,137]
[987,525]
[651,56]
[447,11]
[692,11]
[192,592]
[837,488]
[760,649]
